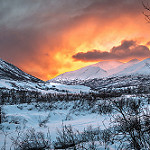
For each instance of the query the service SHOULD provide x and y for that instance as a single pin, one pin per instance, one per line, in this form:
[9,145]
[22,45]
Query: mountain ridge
[10,72]
[133,66]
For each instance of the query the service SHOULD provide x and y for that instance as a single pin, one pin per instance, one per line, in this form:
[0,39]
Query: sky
[46,38]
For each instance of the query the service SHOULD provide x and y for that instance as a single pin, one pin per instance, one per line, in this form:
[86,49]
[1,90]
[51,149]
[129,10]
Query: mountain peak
[133,60]
[107,65]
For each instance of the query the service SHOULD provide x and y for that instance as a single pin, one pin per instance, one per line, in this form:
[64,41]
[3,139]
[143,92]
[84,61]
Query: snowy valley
[102,106]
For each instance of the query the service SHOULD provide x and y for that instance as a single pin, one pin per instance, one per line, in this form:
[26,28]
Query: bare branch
[147,8]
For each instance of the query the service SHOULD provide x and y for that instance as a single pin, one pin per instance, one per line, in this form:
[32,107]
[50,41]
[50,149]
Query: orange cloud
[126,50]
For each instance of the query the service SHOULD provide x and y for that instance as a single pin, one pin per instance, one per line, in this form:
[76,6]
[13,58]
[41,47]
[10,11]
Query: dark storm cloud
[25,24]
[25,13]
[113,8]
[18,44]
[127,49]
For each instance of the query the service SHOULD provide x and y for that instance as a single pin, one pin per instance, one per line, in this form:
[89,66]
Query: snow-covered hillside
[142,67]
[83,74]
[11,72]
[98,70]
[12,77]
[106,69]
[115,71]
[107,65]
[43,87]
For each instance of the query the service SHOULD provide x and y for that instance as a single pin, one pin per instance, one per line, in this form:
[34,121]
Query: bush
[32,140]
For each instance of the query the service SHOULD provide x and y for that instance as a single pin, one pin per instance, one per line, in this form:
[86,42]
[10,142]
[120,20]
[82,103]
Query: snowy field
[23,117]
[50,117]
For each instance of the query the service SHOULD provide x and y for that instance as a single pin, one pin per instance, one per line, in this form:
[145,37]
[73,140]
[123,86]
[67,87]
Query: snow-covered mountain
[139,68]
[11,72]
[116,71]
[106,69]
[107,65]
[83,74]
[98,70]
[11,77]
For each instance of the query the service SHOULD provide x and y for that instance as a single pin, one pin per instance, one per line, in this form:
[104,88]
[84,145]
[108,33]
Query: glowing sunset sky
[49,37]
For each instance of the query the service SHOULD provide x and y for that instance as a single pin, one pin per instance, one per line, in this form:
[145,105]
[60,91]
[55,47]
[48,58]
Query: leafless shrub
[147,8]
[66,138]
[31,140]
[132,124]
[44,121]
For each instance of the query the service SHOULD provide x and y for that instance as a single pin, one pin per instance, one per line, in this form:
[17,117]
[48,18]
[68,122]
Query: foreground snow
[25,116]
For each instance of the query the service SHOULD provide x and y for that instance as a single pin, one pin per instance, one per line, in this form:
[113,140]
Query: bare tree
[146,6]
[133,124]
